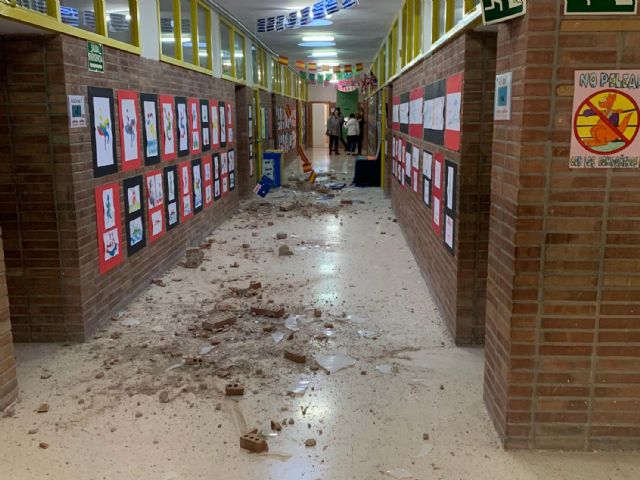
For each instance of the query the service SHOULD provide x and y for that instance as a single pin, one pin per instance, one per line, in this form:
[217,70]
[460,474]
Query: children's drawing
[103,131]
[109,220]
[150,129]
[133,195]
[182,128]
[111,244]
[171,186]
[136,231]
[167,129]
[156,222]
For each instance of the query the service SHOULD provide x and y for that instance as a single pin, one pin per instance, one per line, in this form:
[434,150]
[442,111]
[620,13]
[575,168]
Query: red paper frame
[168,100]
[224,174]
[135,97]
[106,265]
[416,129]
[191,102]
[154,210]
[207,162]
[452,137]
[182,168]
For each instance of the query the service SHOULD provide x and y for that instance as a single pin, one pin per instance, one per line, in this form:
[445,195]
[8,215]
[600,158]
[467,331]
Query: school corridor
[349,239]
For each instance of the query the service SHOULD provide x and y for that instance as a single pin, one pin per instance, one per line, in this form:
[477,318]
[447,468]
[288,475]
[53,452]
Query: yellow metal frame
[52,21]
[258,131]
[178,60]
[233,31]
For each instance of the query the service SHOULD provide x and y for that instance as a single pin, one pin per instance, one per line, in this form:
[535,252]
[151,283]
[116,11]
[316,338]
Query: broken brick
[193,361]
[271,312]
[220,324]
[43,408]
[284,251]
[281,236]
[310,442]
[44,445]
[295,357]
[346,202]
[158,282]
[194,257]
[253,443]
[317,312]
[233,389]
[276,426]
[255,286]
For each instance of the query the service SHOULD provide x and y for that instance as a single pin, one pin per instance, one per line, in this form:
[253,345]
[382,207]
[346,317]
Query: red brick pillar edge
[8,381]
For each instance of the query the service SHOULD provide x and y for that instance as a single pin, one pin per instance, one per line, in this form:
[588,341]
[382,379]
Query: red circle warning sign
[606,122]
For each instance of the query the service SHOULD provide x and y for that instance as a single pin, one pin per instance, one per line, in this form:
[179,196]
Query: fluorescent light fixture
[171,39]
[318,38]
[323,54]
[317,44]
[320,23]
[328,64]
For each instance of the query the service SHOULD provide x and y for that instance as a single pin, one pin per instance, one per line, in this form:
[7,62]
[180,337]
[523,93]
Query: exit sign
[495,11]
[600,7]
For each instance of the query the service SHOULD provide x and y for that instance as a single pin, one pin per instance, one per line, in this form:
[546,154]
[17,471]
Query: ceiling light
[323,54]
[317,44]
[318,38]
[329,64]
[320,23]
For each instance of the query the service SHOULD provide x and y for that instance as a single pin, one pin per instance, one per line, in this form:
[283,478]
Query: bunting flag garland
[319,10]
[300,65]
[326,68]
[359,67]
[312,67]
[282,60]
[331,6]
[292,20]
[336,69]
[297,18]
[303,76]
[347,69]
[305,16]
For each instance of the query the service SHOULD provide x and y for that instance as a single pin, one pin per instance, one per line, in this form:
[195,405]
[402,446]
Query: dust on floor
[145,398]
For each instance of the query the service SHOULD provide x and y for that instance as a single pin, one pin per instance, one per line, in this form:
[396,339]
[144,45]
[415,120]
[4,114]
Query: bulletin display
[152,129]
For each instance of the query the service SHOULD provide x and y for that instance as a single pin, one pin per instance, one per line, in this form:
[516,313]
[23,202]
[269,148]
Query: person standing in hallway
[342,121]
[353,131]
[334,125]
[361,122]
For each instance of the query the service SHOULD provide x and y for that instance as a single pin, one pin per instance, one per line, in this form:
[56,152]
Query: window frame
[233,31]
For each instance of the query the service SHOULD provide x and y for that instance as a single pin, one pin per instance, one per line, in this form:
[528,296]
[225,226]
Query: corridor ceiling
[358,32]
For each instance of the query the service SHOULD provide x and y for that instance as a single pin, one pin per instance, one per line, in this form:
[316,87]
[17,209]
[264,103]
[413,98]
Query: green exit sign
[95,57]
[495,11]
[600,7]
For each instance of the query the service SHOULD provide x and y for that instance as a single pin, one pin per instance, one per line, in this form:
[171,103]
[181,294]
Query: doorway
[319,115]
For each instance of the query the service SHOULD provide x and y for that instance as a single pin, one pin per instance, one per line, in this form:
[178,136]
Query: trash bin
[272,165]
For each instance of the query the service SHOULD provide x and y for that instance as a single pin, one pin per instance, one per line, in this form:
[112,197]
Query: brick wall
[563,313]
[244,98]
[458,282]
[47,206]
[280,102]
[36,194]
[8,382]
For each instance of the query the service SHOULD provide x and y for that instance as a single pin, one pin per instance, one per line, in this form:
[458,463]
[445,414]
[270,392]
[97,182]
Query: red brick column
[563,295]
[8,382]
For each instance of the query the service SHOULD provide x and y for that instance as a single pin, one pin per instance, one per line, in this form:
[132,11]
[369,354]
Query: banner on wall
[108,226]
[129,115]
[134,214]
[606,110]
[103,142]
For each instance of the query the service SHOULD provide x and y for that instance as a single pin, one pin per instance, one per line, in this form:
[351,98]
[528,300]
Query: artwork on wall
[223,124]
[217,188]
[103,143]
[427,173]
[433,112]
[134,214]
[415,113]
[250,121]
[172,189]
[207,173]
[450,205]
[215,124]
[436,198]
[168,122]
[150,137]
[196,175]
[251,160]
[182,122]
[408,162]
[155,205]
[224,173]
[395,117]
[232,170]
[404,113]
[129,115]
[193,117]
[186,200]
[415,169]
[230,132]
[453,113]
[108,226]
[206,126]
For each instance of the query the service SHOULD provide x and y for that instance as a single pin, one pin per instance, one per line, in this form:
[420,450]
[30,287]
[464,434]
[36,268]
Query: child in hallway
[353,130]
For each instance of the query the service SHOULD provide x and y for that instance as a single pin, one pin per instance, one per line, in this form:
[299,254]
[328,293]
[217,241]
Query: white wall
[149,34]
[318,93]
[320,113]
